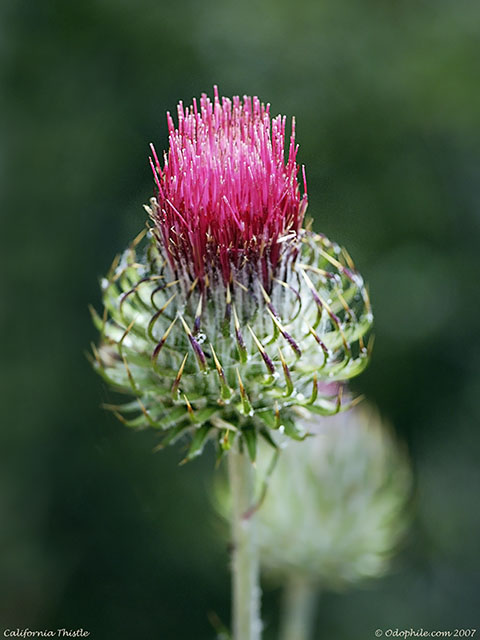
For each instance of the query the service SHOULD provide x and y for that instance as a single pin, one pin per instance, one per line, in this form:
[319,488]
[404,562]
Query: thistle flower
[226,199]
[225,320]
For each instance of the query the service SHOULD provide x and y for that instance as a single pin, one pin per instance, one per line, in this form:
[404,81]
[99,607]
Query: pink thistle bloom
[231,320]
[227,198]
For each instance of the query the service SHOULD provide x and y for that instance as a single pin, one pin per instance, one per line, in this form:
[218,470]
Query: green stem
[246,621]
[300,597]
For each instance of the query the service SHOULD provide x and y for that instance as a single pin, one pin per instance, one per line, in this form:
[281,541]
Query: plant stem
[300,596]
[246,621]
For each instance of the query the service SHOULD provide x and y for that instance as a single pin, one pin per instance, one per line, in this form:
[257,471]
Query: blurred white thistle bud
[335,508]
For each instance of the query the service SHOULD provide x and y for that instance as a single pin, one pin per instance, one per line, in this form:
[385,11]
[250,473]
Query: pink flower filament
[226,194]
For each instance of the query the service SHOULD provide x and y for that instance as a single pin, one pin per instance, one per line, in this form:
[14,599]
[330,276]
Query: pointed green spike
[286,373]
[314,390]
[265,433]
[225,391]
[268,417]
[172,436]
[198,442]
[242,350]
[176,382]
[247,408]
[250,436]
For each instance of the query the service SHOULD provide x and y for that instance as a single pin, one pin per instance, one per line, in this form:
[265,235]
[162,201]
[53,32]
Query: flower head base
[226,199]
[229,317]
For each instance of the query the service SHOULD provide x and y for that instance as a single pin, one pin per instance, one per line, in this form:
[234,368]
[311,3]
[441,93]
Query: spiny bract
[235,358]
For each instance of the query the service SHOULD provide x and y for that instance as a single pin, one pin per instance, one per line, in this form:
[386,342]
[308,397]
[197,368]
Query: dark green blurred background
[97,531]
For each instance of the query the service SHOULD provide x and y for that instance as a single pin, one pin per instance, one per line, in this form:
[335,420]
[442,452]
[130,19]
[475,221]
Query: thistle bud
[335,509]
[225,319]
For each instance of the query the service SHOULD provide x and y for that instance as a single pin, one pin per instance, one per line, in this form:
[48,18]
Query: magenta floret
[227,194]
